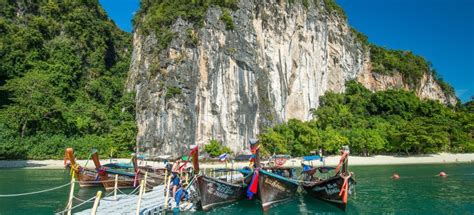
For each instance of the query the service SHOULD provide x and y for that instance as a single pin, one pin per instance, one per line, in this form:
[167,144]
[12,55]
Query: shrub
[215,148]
[172,91]
[226,17]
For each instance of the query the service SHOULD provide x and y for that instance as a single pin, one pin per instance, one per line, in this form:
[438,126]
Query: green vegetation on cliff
[412,67]
[63,66]
[158,16]
[392,121]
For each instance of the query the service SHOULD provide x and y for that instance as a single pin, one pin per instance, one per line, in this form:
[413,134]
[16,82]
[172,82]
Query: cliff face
[228,84]
[427,88]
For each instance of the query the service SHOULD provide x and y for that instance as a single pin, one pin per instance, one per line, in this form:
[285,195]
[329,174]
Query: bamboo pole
[145,179]
[96,202]
[167,190]
[227,174]
[232,173]
[142,188]
[166,174]
[71,195]
[115,186]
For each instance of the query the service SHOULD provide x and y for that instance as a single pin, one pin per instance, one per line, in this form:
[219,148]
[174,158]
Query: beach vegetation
[384,122]
[215,148]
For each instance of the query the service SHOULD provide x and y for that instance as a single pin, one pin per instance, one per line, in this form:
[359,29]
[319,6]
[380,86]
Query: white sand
[330,161]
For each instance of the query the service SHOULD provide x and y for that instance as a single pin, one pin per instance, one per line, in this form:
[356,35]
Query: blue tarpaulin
[119,165]
[312,157]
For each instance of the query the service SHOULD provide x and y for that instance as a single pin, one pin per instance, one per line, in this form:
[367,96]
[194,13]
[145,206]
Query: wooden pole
[115,186]
[71,195]
[232,173]
[96,202]
[167,190]
[145,179]
[227,176]
[142,188]
[166,174]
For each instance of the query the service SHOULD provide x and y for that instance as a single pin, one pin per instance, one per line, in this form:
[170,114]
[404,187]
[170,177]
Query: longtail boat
[334,189]
[85,177]
[271,188]
[156,176]
[107,175]
[214,192]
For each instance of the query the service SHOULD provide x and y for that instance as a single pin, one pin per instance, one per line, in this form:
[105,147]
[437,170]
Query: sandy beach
[330,161]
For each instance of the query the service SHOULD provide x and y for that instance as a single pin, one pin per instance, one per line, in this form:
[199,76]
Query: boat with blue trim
[214,192]
[272,185]
[334,189]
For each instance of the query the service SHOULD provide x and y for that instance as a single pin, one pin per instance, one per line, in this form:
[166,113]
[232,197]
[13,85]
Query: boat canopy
[119,165]
[312,157]
[119,172]
[242,157]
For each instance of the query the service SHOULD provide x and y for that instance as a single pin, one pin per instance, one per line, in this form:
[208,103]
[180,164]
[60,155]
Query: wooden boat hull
[215,192]
[273,189]
[88,178]
[155,176]
[328,190]
[124,181]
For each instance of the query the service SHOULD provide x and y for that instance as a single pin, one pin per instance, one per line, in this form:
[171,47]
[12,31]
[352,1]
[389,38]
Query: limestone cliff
[213,82]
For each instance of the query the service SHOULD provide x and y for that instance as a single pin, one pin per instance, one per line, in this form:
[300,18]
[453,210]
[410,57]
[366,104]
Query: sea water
[418,191]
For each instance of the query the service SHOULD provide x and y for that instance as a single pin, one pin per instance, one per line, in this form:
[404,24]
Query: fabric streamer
[344,189]
[253,187]
[191,153]
[343,158]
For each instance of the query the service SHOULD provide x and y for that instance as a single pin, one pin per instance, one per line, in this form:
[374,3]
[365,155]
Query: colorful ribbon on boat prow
[344,156]
[190,155]
[345,188]
[254,154]
[253,187]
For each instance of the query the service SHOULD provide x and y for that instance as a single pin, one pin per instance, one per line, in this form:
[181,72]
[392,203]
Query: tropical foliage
[63,66]
[157,16]
[215,148]
[392,121]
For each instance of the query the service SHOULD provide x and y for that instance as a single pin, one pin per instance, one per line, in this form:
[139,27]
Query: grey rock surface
[272,67]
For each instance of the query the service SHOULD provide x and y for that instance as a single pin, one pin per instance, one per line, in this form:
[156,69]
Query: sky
[442,31]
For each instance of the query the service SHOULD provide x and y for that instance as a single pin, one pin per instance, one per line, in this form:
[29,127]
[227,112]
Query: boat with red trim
[272,185]
[334,189]
[214,192]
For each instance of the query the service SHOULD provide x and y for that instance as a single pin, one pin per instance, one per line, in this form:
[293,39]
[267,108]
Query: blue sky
[440,30]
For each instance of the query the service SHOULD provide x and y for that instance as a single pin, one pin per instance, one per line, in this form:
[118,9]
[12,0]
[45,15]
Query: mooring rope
[84,202]
[35,192]
[99,181]
[81,200]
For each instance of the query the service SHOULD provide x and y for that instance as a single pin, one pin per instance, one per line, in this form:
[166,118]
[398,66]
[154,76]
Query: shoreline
[441,158]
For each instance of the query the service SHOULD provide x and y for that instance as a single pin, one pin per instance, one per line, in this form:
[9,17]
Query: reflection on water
[418,191]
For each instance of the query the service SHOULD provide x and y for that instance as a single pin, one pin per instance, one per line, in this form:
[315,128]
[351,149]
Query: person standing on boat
[181,194]
[175,171]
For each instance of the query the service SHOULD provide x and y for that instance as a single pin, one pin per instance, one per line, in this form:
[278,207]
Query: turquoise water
[418,191]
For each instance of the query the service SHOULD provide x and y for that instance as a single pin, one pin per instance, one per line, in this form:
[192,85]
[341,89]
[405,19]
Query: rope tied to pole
[35,192]
[79,205]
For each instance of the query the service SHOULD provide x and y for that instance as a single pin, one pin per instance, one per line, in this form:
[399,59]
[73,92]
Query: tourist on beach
[175,171]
